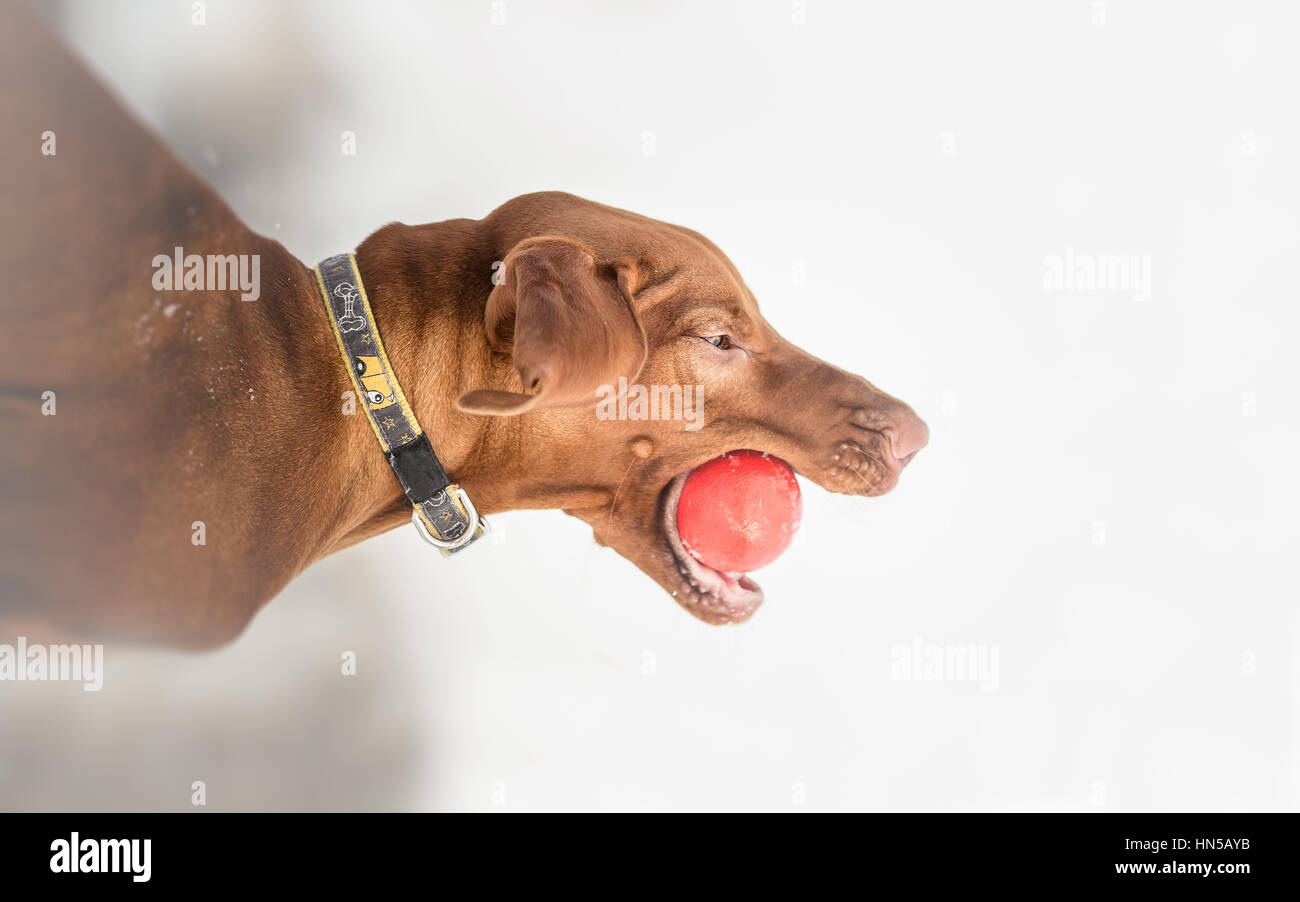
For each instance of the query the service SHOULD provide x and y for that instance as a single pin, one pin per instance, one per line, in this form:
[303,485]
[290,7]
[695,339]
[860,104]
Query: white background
[1107,503]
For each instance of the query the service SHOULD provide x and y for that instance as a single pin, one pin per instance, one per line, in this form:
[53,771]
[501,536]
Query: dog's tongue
[739,512]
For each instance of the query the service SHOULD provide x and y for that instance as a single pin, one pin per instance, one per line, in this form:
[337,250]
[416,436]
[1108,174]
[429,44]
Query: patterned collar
[442,512]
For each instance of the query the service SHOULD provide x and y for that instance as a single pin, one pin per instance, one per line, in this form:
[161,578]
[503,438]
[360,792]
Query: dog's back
[108,456]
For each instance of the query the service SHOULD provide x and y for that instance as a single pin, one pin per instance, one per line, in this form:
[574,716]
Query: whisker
[613,504]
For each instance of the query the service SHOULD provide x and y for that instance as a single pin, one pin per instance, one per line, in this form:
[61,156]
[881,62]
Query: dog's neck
[418,283]
[427,287]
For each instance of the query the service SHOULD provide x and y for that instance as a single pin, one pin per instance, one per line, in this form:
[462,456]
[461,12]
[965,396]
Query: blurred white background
[1107,503]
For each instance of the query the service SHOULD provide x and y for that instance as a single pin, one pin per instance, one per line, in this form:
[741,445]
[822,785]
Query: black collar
[443,513]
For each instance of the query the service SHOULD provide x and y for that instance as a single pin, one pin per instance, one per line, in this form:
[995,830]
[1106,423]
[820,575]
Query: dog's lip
[707,593]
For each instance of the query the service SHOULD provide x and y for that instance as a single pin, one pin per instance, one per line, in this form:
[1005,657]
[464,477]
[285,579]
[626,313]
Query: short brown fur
[229,412]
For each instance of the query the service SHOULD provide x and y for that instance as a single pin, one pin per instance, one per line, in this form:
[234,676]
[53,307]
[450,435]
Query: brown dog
[186,413]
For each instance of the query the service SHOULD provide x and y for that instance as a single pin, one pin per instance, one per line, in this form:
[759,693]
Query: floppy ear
[568,321]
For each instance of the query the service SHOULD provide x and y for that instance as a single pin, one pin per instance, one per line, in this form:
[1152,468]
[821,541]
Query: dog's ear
[569,323]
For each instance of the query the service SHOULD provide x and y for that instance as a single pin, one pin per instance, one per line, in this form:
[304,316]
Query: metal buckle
[472,532]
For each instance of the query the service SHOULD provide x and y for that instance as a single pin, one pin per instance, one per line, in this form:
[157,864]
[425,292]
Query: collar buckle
[473,525]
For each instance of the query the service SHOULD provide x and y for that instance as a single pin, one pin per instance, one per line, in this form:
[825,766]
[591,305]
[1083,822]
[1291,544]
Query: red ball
[740,511]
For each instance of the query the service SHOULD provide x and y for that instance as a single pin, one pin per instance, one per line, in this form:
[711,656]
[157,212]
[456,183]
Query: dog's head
[629,351]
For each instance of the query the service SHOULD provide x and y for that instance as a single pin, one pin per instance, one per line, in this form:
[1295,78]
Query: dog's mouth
[711,595]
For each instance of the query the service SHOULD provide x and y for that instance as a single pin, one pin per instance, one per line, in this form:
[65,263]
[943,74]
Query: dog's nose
[910,435]
[889,417]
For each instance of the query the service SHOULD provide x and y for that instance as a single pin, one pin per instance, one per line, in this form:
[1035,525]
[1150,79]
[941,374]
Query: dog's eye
[721,342]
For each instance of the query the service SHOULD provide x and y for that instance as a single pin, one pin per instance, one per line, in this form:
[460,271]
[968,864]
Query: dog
[175,457]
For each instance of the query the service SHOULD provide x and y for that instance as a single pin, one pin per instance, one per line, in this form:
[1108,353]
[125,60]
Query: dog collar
[442,512]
